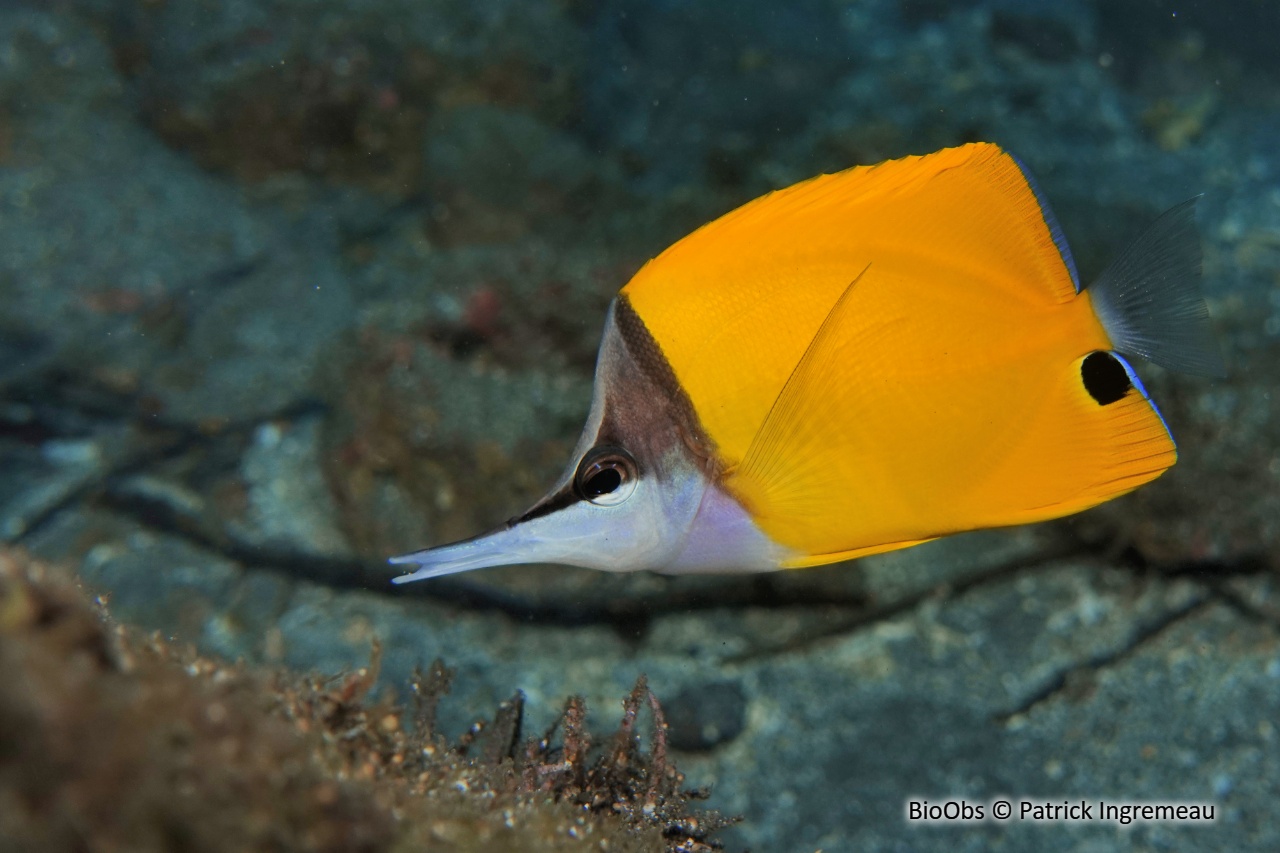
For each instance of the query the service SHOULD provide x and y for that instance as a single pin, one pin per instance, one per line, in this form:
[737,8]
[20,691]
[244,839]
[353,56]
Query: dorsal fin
[735,304]
[1149,298]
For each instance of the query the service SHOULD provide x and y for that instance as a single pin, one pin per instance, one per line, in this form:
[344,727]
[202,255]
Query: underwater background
[287,287]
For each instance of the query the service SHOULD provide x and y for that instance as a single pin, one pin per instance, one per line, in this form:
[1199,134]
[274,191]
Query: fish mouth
[525,538]
[500,547]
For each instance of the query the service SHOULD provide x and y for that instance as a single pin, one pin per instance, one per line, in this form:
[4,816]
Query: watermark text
[1083,810]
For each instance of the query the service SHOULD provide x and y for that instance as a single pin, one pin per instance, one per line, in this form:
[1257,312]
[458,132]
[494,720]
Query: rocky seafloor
[111,739]
[288,287]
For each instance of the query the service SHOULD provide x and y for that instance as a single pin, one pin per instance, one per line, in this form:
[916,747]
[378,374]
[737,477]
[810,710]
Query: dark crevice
[870,616]
[60,403]
[1072,675]
[1213,571]
[162,448]
[162,518]
[1238,605]
[1115,548]
[157,442]
[1209,572]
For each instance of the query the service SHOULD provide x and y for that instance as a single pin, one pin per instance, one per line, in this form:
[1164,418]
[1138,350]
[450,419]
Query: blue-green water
[290,287]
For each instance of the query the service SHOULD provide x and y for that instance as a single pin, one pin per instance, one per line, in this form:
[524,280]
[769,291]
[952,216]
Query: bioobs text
[947,811]
[1085,810]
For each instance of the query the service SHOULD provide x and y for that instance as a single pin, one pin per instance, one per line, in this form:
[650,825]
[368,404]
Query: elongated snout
[499,547]
[579,534]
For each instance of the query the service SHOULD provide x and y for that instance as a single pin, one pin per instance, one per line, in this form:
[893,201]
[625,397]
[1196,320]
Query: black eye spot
[601,483]
[1104,377]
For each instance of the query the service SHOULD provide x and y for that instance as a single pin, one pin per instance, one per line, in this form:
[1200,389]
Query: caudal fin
[1149,298]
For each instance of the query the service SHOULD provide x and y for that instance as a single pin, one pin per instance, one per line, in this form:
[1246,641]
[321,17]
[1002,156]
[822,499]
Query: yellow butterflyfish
[861,362]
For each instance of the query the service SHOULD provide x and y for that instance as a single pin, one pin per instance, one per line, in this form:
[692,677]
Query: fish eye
[606,477]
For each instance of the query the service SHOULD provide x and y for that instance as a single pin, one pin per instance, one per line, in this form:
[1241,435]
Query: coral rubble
[112,740]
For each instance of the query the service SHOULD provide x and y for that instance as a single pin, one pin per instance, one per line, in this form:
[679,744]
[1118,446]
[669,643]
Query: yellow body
[891,354]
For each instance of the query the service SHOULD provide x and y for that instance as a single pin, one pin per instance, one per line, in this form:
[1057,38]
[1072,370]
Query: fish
[861,362]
